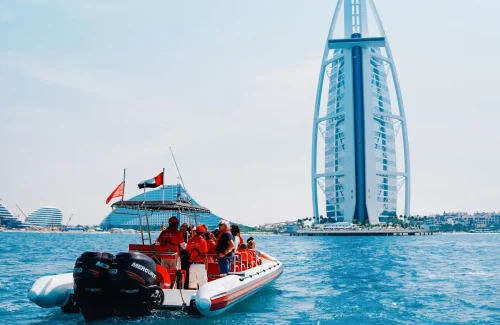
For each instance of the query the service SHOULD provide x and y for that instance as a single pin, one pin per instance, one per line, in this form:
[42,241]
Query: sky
[88,88]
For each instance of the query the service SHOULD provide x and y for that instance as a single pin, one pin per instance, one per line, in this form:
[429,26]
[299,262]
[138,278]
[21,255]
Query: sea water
[440,279]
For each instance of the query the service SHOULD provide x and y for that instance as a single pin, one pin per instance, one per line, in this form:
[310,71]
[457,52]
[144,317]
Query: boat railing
[239,263]
[157,250]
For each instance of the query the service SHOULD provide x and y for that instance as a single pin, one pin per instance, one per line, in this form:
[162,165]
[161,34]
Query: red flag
[118,191]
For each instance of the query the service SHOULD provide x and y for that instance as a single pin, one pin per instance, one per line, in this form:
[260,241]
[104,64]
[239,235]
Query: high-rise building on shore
[360,153]
[7,219]
[123,218]
[46,217]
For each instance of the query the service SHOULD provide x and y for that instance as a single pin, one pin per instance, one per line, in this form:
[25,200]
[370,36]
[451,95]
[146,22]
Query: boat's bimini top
[160,205]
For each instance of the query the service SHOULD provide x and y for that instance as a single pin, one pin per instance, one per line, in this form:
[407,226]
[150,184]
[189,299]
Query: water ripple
[327,280]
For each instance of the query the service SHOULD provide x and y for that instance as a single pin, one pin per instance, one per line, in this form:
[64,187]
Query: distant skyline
[89,88]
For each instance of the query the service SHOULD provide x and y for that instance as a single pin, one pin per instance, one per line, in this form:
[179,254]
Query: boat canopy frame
[180,206]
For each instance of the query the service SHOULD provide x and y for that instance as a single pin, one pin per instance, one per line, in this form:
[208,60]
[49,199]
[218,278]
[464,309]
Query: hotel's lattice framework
[359,118]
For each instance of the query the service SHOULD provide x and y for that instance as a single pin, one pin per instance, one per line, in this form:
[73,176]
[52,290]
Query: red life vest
[197,247]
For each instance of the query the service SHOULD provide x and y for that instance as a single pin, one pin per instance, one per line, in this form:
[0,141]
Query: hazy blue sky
[90,87]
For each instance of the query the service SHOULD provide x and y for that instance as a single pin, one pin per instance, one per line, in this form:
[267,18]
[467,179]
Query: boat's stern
[178,299]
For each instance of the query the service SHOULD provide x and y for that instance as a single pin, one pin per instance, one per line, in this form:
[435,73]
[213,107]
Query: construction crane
[67,224]
[25,217]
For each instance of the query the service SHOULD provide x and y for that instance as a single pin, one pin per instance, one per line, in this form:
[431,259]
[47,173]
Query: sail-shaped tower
[360,154]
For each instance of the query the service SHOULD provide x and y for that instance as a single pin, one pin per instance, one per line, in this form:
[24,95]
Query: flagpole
[146,215]
[163,187]
[123,191]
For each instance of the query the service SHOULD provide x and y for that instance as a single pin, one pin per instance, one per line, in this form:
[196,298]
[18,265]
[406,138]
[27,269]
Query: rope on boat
[259,272]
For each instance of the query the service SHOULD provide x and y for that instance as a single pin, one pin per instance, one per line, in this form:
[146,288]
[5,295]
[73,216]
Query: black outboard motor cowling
[90,284]
[133,284]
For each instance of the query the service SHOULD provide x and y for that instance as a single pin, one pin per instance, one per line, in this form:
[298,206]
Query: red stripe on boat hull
[224,301]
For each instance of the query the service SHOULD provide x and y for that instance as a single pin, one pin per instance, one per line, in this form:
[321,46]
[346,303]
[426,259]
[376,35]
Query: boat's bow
[216,296]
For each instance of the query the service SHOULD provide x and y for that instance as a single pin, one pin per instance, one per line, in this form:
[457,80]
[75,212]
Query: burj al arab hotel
[360,155]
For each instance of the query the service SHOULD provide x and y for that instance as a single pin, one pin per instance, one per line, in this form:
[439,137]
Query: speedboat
[134,283]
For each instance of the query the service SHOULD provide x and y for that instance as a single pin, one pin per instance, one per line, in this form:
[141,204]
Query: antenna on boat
[179,172]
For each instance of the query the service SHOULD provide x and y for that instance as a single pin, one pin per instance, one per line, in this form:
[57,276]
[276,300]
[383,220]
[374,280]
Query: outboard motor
[90,284]
[134,291]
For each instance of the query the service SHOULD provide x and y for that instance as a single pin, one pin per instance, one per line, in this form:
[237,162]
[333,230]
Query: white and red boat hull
[211,299]
[217,296]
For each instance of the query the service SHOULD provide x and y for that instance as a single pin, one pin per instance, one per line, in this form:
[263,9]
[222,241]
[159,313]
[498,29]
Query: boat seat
[163,277]
[248,258]
[235,267]
[159,253]
[213,271]
[258,260]
[242,256]
[236,264]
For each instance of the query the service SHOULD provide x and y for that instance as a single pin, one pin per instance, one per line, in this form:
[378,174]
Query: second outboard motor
[90,284]
[133,284]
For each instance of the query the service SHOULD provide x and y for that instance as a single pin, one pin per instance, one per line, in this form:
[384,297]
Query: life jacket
[171,236]
[211,245]
[218,238]
[197,246]
[220,234]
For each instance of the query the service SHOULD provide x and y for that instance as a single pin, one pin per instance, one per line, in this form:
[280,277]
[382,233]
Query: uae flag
[118,191]
[153,182]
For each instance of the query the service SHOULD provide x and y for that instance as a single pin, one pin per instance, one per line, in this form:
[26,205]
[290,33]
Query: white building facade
[359,121]
[46,217]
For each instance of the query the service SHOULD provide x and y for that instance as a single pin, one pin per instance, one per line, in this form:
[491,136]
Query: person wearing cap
[197,249]
[171,236]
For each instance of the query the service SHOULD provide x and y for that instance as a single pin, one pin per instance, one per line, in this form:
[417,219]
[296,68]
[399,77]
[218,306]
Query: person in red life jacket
[210,243]
[210,246]
[206,232]
[242,249]
[225,247]
[172,237]
[235,231]
[251,245]
[197,249]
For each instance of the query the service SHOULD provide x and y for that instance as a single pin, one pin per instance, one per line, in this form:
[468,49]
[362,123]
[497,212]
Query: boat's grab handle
[257,273]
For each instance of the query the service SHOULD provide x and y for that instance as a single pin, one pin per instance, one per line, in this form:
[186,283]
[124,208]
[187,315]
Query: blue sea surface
[440,279]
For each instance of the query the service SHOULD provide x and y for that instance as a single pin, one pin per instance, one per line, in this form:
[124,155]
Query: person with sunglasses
[225,246]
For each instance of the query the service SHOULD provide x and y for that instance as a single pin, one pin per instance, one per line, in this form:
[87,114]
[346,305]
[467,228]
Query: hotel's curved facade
[46,217]
[7,219]
[123,218]
[359,119]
